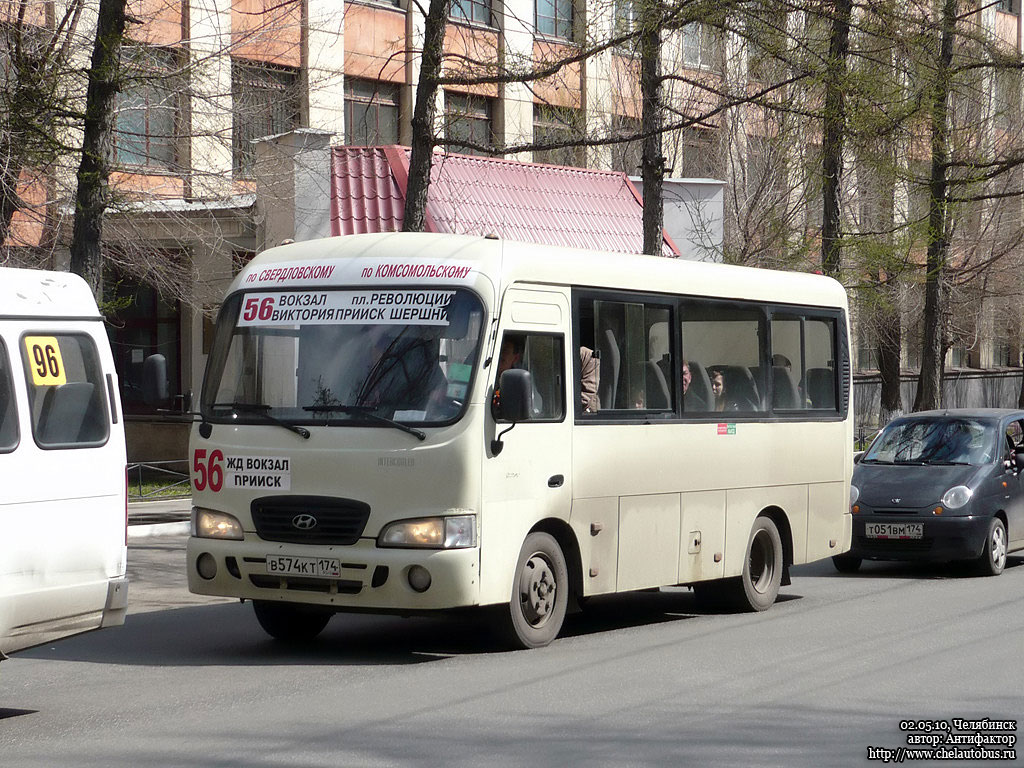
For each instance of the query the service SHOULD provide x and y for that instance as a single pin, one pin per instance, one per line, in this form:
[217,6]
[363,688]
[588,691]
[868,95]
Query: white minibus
[414,422]
[62,460]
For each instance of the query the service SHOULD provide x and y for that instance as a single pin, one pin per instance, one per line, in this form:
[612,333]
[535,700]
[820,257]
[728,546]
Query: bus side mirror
[516,387]
[516,395]
[154,380]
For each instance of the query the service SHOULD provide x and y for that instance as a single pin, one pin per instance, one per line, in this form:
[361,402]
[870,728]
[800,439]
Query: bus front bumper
[369,577]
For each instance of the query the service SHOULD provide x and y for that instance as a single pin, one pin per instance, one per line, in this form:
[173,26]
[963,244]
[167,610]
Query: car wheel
[846,563]
[540,593]
[758,587]
[288,622]
[993,556]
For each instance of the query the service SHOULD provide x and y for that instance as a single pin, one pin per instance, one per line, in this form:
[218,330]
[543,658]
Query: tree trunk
[653,164]
[935,338]
[890,342]
[833,133]
[93,194]
[10,201]
[423,140]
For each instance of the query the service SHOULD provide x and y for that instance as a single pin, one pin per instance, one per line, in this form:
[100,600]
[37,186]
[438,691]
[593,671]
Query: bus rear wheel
[758,587]
[289,622]
[540,593]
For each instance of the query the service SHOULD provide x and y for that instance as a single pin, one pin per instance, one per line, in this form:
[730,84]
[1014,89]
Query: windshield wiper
[874,461]
[261,410]
[366,410]
[948,463]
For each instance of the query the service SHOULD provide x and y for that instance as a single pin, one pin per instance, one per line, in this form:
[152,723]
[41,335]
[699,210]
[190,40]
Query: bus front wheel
[758,587]
[288,622]
[540,592]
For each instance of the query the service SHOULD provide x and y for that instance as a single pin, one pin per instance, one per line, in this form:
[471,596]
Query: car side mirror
[858,456]
[154,380]
[1018,460]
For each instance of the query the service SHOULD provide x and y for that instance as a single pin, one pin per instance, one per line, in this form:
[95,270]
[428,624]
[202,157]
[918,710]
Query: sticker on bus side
[45,361]
[345,308]
[727,429]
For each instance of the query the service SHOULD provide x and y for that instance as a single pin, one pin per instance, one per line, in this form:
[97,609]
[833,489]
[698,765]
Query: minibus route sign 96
[404,307]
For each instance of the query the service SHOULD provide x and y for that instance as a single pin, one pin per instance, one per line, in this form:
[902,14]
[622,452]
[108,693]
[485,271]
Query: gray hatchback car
[939,486]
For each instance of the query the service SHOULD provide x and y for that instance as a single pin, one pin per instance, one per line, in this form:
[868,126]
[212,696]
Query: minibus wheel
[758,587]
[540,593]
[289,622]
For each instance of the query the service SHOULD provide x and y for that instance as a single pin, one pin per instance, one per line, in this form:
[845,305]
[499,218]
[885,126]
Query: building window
[147,108]
[469,126]
[266,103]
[558,125]
[701,46]
[371,112]
[472,10]
[554,18]
[1009,6]
[627,155]
[141,324]
[699,154]
[625,18]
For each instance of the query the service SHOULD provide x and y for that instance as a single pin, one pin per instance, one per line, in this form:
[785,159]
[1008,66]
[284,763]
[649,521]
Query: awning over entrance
[530,202]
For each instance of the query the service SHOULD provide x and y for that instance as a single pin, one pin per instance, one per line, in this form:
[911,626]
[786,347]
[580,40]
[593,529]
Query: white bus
[62,460]
[353,455]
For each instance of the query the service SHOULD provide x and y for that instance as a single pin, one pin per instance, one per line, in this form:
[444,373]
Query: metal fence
[158,479]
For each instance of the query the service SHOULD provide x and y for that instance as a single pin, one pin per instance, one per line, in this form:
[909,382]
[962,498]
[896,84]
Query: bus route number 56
[208,472]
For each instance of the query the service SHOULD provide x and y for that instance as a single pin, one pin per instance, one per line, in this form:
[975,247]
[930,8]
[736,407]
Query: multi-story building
[209,77]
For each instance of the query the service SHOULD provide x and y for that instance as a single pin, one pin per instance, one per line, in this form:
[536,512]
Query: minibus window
[8,411]
[65,390]
[344,356]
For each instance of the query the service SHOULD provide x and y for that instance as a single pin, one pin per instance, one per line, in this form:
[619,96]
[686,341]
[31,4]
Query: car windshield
[336,356]
[934,441]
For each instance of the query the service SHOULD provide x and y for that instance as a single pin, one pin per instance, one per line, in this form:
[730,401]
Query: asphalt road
[643,679]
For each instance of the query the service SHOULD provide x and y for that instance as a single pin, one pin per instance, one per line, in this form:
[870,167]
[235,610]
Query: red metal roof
[531,202]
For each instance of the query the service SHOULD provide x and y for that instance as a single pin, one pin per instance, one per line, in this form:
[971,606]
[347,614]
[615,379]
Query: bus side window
[8,411]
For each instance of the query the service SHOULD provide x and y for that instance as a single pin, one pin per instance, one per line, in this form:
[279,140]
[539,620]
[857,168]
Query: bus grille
[288,519]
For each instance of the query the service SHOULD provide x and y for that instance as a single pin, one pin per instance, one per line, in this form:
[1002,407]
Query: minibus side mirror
[516,387]
[516,395]
[154,380]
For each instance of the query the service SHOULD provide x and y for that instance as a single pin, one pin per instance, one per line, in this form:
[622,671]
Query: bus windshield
[344,357]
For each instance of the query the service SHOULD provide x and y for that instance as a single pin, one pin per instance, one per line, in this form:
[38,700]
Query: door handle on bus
[555,481]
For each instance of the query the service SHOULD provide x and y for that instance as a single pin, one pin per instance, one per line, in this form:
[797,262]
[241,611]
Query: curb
[146,531]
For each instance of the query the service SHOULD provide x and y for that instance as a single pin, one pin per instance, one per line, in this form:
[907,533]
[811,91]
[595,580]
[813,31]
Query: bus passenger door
[529,478]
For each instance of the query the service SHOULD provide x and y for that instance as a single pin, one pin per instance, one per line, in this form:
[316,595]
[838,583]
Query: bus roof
[42,293]
[528,262]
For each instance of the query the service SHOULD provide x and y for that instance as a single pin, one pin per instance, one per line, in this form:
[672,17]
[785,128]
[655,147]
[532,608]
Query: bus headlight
[455,532]
[207,524]
[956,497]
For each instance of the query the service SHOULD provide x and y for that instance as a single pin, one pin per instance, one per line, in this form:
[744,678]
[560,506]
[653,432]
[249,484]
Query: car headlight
[454,532]
[207,524]
[956,497]
[854,494]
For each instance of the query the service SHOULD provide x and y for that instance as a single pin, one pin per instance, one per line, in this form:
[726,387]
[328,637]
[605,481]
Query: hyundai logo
[304,522]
